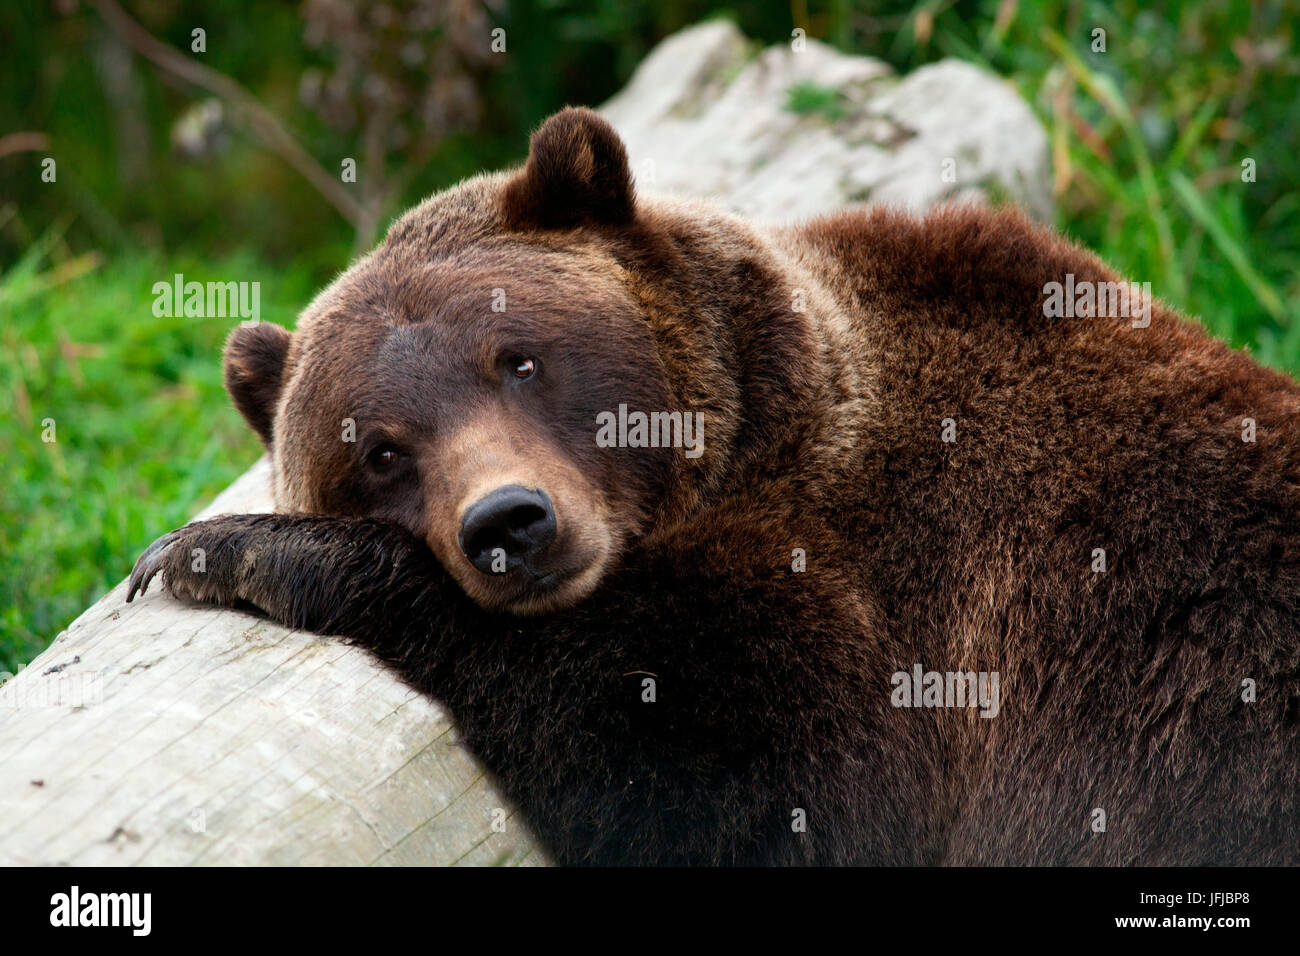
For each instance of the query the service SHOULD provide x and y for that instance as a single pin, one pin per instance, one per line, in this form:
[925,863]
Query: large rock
[158,732]
[706,116]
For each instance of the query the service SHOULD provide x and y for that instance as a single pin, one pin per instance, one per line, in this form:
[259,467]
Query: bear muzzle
[508,529]
[525,539]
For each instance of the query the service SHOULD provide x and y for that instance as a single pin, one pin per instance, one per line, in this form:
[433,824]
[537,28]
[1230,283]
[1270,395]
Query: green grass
[1148,138]
[144,432]
[1175,211]
[809,99]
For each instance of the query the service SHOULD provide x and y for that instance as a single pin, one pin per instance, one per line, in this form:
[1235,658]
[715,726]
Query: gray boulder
[707,115]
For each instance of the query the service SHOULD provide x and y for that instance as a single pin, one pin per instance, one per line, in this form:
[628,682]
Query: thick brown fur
[1121,690]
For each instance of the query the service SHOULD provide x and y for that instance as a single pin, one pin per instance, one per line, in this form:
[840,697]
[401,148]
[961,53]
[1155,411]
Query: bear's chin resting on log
[865,453]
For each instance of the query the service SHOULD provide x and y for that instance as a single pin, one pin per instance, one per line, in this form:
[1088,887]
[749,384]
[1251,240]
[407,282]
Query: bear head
[454,380]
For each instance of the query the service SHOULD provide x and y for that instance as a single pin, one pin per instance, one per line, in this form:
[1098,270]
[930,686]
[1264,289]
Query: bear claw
[149,564]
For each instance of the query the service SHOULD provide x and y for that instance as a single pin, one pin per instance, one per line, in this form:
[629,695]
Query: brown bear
[836,543]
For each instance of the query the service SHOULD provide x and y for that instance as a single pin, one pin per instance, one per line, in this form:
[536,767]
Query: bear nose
[507,528]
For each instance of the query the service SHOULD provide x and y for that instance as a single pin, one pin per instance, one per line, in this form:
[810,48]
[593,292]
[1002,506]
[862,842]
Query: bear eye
[523,368]
[384,457]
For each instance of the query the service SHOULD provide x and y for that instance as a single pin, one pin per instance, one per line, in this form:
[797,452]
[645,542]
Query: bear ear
[576,172]
[254,366]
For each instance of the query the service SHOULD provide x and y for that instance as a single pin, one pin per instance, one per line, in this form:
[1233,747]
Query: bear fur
[766,593]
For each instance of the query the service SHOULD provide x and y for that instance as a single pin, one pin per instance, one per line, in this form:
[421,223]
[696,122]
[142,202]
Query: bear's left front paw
[149,564]
[182,557]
